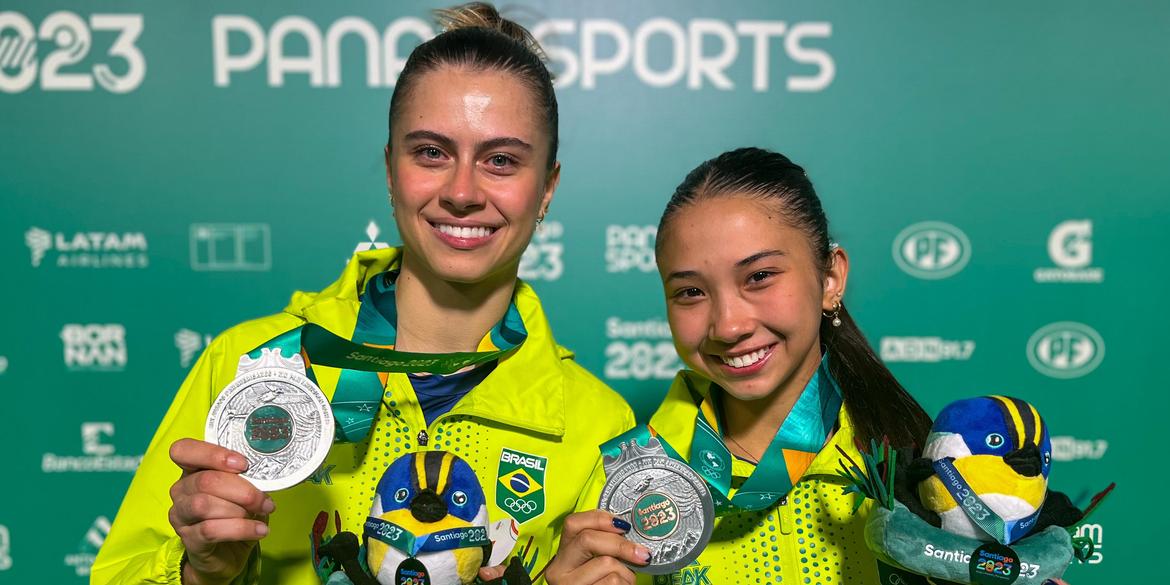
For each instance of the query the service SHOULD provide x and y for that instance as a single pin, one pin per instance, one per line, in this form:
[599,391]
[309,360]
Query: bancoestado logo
[190,343]
[931,250]
[1066,349]
[1070,246]
[87,249]
[98,455]
[543,259]
[69,38]
[641,350]
[87,549]
[630,247]
[94,347]
[926,349]
[661,52]
[1066,448]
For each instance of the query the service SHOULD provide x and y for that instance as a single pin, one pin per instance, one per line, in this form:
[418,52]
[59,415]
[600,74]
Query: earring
[836,315]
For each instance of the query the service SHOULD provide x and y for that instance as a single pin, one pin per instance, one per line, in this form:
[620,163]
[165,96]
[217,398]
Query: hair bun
[484,15]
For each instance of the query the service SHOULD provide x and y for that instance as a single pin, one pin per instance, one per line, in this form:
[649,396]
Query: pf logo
[931,250]
[1066,350]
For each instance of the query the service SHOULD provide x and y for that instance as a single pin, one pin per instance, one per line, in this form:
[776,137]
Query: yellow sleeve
[142,547]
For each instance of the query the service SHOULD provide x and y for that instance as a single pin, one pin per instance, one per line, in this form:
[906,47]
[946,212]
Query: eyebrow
[759,256]
[745,262]
[485,145]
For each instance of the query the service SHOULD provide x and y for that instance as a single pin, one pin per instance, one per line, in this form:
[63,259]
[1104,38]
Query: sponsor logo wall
[175,170]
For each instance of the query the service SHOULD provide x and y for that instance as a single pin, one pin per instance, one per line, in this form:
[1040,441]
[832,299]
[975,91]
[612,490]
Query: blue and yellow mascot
[428,525]
[975,507]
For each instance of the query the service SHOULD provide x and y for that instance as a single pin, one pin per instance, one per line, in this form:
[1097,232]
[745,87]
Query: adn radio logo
[1066,350]
[931,250]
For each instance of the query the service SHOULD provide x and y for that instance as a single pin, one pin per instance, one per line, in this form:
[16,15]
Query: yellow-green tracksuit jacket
[537,402]
[810,536]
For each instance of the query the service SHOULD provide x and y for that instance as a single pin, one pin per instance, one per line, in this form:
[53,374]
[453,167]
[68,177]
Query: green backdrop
[997,170]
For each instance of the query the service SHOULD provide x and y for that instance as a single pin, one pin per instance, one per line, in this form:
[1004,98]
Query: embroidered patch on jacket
[520,493]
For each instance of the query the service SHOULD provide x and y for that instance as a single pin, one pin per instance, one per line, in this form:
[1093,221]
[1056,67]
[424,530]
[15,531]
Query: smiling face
[467,167]
[744,294]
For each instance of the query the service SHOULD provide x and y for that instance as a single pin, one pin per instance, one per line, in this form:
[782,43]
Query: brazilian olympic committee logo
[520,489]
[932,250]
[1066,350]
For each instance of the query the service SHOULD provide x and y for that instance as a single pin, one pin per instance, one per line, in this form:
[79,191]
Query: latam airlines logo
[95,537]
[99,456]
[699,53]
[932,250]
[1070,245]
[87,249]
[1066,350]
[190,344]
[95,347]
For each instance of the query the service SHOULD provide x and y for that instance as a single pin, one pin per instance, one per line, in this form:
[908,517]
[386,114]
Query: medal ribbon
[411,545]
[1005,532]
[804,429]
[370,353]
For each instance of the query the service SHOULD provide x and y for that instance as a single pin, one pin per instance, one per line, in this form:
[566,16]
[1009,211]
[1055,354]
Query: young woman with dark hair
[471,167]
[779,378]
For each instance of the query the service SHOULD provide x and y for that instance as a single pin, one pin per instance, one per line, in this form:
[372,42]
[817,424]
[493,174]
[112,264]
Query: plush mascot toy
[976,504]
[1000,446]
[428,525]
[429,514]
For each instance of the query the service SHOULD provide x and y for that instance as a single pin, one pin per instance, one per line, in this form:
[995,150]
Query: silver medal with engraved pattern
[274,416]
[666,502]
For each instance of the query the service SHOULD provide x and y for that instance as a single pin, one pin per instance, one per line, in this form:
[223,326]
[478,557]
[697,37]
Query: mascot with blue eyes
[975,507]
[428,525]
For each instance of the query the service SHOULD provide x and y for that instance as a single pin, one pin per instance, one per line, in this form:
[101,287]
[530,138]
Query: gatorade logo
[1066,350]
[932,250]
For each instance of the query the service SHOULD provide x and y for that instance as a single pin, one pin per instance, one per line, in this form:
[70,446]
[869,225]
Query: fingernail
[621,525]
[237,462]
[268,506]
[642,553]
[261,530]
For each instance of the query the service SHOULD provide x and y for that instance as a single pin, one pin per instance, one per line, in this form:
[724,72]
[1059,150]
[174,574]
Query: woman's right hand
[218,514]
[592,549]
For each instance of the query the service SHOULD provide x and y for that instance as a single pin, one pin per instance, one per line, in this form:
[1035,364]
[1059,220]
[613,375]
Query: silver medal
[666,502]
[274,416]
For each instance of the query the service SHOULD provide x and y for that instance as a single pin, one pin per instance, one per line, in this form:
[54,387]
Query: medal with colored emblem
[274,416]
[667,503]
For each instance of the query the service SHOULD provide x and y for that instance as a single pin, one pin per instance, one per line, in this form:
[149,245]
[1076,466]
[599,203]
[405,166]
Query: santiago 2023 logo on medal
[932,250]
[520,489]
[1066,350]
